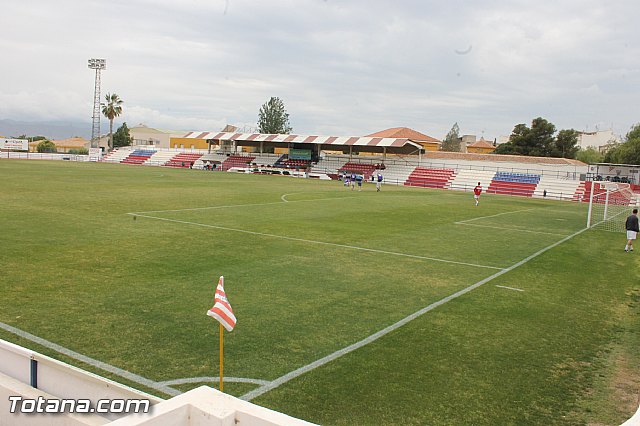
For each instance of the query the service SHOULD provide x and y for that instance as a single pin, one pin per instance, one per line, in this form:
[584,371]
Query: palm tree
[111,109]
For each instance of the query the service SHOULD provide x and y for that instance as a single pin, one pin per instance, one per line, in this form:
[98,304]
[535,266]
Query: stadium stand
[365,169]
[522,184]
[430,178]
[615,197]
[236,161]
[467,179]
[558,188]
[183,160]
[292,164]
[266,159]
[397,173]
[533,179]
[117,155]
[329,165]
[139,156]
[159,158]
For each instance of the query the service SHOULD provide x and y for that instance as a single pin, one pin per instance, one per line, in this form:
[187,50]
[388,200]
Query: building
[600,139]
[160,138]
[480,147]
[427,142]
[64,145]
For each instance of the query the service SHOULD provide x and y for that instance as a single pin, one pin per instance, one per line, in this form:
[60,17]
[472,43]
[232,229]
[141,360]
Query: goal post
[609,204]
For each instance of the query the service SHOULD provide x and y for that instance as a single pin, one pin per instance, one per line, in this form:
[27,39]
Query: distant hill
[48,129]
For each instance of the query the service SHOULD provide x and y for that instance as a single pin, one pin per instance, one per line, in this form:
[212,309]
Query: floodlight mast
[98,65]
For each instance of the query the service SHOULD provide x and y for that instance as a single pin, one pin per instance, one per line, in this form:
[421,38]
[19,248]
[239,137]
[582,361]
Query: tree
[122,137]
[79,151]
[31,138]
[613,154]
[539,141]
[589,155]
[273,118]
[111,109]
[452,141]
[627,152]
[566,144]
[518,134]
[46,146]
[541,137]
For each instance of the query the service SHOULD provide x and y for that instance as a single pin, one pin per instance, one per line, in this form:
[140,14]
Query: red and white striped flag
[221,309]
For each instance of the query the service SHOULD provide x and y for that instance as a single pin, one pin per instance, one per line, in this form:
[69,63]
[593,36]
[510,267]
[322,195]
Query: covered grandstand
[352,145]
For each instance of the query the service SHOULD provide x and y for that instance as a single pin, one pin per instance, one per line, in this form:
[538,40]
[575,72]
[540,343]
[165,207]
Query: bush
[79,151]
[46,146]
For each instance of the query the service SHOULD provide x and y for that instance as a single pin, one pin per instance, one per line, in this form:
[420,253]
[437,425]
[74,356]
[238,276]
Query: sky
[344,68]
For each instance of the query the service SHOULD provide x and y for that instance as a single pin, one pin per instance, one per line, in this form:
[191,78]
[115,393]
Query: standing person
[353,180]
[476,193]
[359,179]
[631,225]
[379,182]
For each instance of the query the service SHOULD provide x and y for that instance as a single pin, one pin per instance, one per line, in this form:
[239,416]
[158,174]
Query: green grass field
[119,263]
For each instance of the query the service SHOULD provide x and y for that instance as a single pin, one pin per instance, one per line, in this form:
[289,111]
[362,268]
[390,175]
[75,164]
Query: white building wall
[597,139]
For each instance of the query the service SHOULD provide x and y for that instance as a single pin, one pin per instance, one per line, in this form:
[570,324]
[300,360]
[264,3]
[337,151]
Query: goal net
[609,204]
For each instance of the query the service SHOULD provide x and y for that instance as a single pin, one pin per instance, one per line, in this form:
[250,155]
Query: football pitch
[405,306]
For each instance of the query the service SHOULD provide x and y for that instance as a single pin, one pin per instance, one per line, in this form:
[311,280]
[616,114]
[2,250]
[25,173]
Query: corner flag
[221,309]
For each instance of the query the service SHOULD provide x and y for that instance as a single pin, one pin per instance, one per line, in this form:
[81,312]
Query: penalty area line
[493,215]
[331,357]
[302,240]
[509,288]
[282,198]
[503,228]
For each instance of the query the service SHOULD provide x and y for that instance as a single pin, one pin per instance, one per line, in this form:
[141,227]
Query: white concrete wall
[58,380]
[62,380]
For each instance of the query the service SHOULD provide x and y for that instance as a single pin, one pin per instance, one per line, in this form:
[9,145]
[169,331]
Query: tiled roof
[403,132]
[481,144]
[76,142]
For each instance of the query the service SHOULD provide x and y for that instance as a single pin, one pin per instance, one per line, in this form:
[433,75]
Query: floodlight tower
[98,65]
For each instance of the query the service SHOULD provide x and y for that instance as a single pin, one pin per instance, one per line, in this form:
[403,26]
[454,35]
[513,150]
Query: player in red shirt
[476,193]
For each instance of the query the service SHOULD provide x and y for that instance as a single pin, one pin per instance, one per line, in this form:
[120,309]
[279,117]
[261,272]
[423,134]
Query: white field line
[494,215]
[213,379]
[283,200]
[509,288]
[302,240]
[93,362]
[322,361]
[572,212]
[160,386]
[504,228]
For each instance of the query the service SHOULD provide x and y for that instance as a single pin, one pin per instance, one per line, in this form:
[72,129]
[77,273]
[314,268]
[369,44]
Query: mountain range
[48,129]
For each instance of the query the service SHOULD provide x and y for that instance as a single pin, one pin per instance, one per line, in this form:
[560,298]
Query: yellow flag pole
[221,356]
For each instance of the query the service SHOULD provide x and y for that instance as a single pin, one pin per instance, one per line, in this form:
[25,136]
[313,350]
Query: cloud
[342,67]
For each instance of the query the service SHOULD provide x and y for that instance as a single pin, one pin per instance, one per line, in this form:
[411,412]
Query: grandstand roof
[403,132]
[366,143]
